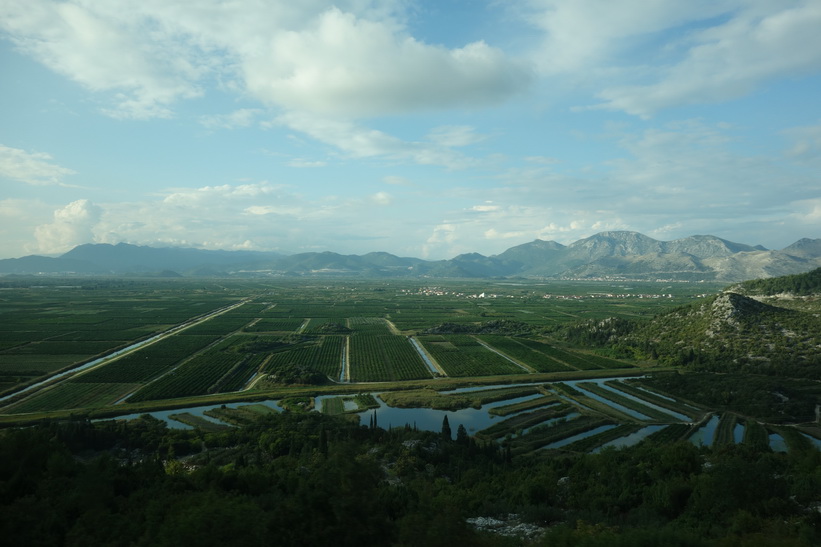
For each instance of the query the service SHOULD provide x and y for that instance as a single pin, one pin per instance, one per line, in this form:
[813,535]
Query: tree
[446,433]
[461,434]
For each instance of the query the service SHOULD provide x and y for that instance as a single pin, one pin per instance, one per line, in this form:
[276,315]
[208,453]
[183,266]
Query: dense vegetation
[309,479]
[800,284]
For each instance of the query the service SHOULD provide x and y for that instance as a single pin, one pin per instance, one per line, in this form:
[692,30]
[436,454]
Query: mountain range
[620,254]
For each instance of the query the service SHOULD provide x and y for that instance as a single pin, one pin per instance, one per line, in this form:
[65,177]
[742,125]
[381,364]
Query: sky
[424,128]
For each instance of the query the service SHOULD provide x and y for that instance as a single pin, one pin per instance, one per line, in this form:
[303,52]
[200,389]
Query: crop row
[527,355]
[69,395]
[323,355]
[195,377]
[368,325]
[236,378]
[147,362]
[565,357]
[274,325]
[461,355]
[384,357]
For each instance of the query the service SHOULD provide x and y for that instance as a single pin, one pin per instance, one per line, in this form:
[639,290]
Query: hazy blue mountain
[124,257]
[34,264]
[607,254]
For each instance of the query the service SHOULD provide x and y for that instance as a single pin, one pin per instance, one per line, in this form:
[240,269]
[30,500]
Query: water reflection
[704,435]
[165,415]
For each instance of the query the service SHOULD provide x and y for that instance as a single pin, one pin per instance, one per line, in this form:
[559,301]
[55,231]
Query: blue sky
[420,128]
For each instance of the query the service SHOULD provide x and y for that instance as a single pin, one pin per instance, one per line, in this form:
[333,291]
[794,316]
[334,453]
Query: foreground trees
[311,479]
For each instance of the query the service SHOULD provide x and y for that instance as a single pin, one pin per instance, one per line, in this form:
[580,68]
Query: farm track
[526,368]
[60,379]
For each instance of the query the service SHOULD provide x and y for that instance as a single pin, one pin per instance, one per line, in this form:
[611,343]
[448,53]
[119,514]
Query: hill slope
[728,332]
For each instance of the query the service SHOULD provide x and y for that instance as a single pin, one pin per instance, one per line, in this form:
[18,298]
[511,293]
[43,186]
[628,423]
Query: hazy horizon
[415,128]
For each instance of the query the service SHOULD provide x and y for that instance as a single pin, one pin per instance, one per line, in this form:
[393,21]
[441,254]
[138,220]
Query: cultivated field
[177,343]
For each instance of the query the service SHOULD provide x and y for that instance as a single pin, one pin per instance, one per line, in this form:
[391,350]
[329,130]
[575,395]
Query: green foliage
[312,479]
[799,284]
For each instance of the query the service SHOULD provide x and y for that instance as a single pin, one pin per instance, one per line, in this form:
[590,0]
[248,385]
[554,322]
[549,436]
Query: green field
[239,337]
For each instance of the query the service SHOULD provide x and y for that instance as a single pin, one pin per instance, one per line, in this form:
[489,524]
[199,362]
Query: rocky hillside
[728,332]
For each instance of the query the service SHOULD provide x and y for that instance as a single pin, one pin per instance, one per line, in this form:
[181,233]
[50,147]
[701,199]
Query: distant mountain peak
[612,254]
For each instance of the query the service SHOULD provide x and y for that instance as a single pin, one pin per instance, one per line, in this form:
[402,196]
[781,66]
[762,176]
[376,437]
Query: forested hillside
[799,285]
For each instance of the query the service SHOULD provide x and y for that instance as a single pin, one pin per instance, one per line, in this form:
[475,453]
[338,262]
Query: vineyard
[384,357]
[462,355]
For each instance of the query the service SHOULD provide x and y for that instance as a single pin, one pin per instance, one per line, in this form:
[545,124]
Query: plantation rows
[461,355]
[368,325]
[323,355]
[575,360]
[274,325]
[205,373]
[227,322]
[527,355]
[73,395]
[384,357]
[148,362]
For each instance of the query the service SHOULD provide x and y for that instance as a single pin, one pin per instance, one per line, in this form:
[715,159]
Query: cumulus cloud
[73,225]
[345,65]
[34,168]
[354,58]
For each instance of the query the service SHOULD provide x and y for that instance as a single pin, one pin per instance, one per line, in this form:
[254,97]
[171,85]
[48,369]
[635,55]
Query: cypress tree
[446,429]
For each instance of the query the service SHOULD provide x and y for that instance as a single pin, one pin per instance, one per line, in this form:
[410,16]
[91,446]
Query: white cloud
[107,48]
[731,59]
[586,34]
[352,59]
[382,198]
[484,208]
[303,163]
[73,225]
[243,117]
[361,142]
[454,135]
[34,168]
[345,65]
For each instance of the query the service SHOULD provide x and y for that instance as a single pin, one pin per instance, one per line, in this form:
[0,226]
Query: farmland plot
[461,355]
[384,357]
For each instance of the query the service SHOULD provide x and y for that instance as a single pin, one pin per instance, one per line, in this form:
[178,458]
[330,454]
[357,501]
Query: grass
[626,402]
[507,410]
[523,421]
[198,422]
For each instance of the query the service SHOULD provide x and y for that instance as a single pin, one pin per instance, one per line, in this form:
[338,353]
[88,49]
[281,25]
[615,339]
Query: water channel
[119,352]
